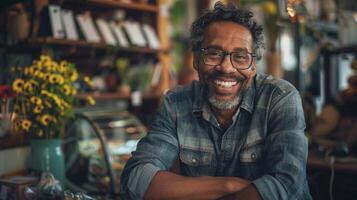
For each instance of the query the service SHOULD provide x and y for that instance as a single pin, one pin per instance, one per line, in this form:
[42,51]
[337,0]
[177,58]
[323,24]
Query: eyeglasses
[240,59]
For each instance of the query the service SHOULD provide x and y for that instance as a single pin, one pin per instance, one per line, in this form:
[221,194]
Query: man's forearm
[248,193]
[167,185]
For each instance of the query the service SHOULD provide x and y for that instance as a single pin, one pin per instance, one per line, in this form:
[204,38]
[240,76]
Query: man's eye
[240,57]
[213,54]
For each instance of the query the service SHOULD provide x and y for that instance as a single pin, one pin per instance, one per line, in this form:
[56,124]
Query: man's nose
[226,65]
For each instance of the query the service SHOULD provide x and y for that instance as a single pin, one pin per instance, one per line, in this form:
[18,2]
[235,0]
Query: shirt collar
[249,96]
[199,101]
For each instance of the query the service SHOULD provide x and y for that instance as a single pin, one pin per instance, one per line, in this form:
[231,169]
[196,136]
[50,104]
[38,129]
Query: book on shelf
[119,34]
[56,22]
[88,28]
[151,36]
[69,25]
[134,32]
[51,23]
[106,32]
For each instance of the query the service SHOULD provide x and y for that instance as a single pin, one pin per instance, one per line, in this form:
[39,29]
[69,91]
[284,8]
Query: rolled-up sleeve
[156,151]
[285,150]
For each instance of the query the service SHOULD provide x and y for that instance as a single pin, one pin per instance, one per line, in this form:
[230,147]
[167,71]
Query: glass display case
[98,143]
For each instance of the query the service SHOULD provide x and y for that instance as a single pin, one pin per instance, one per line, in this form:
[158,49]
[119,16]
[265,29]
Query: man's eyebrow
[241,49]
[213,47]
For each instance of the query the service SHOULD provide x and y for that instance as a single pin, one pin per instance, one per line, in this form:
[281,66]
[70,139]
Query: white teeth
[226,84]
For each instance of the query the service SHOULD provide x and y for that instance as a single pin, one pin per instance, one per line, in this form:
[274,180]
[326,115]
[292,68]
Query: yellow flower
[18,85]
[38,109]
[64,64]
[36,100]
[47,76]
[39,74]
[60,79]
[90,100]
[45,119]
[36,68]
[55,66]
[57,100]
[45,58]
[74,76]
[28,87]
[45,92]
[65,104]
[28,71]
[53,78]
[66,89]
[88,81]
[48,65]
[33,82]
[74,91]
[270,8]
[26,124]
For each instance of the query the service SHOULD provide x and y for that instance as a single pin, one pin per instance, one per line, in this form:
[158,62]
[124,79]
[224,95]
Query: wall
[14,159]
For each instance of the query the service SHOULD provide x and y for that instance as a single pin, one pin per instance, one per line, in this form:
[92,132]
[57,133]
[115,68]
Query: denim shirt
[265,143]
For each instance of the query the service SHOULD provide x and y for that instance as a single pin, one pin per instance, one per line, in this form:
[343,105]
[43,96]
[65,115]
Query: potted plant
[45,93]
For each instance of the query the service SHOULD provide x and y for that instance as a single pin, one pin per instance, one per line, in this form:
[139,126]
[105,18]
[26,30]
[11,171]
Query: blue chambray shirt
[265,143]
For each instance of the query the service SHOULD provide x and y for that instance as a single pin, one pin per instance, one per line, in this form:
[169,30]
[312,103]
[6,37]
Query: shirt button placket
[194,162]
[253,156]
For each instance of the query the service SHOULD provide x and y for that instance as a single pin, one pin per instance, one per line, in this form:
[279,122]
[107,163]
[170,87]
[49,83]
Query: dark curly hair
[227,13]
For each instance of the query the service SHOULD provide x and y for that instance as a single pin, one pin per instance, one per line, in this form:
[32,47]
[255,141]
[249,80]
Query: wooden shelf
[35,43]
[117,4]
[114,96]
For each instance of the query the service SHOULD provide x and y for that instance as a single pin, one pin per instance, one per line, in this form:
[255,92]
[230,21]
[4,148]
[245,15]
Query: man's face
[224,82]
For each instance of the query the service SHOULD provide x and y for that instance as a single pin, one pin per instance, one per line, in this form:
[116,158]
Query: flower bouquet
[45,95]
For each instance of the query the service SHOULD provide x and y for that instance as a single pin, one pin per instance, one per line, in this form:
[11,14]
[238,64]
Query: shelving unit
[86,55]
[110,4]
[39,42]
[151,11]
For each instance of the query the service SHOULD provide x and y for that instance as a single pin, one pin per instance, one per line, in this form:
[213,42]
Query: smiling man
[234,134]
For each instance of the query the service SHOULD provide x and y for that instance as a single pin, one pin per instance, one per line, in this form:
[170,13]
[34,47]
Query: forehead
[228,36]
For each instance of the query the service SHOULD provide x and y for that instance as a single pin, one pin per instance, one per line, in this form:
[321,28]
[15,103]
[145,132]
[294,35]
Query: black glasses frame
[225,53]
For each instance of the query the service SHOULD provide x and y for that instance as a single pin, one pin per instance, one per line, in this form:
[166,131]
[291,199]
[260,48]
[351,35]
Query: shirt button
[194,161]
[253,156]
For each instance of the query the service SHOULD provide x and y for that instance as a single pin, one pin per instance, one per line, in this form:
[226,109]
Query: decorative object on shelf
[273,58]
[45,97]
[6,94]
[49,187]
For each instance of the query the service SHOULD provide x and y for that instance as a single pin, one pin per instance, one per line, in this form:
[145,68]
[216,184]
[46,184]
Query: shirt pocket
[195,162]
[250,158]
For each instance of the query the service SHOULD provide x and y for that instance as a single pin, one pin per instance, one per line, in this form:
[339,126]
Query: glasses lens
[212,56]
[241,60]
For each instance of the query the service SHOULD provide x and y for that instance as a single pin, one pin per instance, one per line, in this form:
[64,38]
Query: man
[235,134]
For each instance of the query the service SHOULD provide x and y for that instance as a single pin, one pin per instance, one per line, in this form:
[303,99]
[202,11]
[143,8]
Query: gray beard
[224,105]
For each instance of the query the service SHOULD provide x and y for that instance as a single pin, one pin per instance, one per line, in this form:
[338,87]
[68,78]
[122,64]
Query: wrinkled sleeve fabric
[285,149]
[156,151]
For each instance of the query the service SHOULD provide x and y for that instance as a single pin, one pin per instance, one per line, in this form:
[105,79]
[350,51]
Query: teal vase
[46,156]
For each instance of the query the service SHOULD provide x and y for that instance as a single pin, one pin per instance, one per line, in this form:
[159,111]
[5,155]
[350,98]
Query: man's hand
[167,185]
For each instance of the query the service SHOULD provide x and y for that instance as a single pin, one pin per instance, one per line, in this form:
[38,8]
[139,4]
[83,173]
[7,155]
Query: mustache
[215,75]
